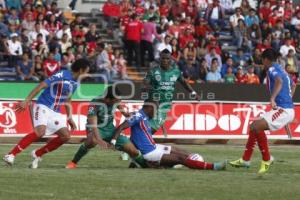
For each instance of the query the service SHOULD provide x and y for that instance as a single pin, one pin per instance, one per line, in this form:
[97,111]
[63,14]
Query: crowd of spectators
[193,31]
[38,39]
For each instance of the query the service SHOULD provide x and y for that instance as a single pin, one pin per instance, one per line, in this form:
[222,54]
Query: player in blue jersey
[46,116]
[158,154]
[282,112]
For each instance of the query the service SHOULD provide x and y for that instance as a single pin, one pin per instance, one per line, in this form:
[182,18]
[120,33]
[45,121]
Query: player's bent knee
[65,138]
[40,131]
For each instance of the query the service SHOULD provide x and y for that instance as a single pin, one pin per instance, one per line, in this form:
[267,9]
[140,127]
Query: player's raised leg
[63,135]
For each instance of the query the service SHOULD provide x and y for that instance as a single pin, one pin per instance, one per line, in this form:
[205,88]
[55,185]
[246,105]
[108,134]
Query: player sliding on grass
[157,154]
[159,86]
[47,119]
[282,89]
[100,129]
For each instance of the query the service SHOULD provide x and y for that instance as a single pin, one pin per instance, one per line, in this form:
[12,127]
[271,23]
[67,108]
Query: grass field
[102,176]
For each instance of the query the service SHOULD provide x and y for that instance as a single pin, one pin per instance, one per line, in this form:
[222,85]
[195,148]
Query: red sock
[50,146]
[263,145]
[250,146]
[24,143]
[196,164]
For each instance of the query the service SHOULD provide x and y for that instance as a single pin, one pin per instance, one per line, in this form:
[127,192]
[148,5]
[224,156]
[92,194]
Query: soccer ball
[196,157]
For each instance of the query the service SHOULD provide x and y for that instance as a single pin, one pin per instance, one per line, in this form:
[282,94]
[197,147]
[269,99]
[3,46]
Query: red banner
[185,120]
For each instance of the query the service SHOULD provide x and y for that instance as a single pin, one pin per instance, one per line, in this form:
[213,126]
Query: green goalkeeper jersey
[163,83]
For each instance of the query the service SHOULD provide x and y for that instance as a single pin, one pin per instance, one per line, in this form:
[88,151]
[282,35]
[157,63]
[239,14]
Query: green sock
[141,161]
[82,151]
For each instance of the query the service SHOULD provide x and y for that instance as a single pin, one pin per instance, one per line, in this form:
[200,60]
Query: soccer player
[159,85]
[157,154]
[47,119]
[281,88]
[100,129]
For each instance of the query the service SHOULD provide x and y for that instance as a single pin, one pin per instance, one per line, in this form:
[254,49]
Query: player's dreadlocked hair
[80,64]
[270,54]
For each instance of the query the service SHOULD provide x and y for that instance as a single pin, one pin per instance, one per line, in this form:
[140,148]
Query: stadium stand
[235,31]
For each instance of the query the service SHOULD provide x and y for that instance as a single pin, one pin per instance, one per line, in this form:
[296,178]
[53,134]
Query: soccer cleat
[265,166]
[35,160]
[9,159]
[71,165]
[240,163]
[220,165]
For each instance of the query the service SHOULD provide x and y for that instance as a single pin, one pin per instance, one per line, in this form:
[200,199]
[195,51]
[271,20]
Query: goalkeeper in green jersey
[159,85]
[100,129]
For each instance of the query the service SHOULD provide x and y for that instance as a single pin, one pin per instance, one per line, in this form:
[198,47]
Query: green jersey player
[100,129]
[159,86]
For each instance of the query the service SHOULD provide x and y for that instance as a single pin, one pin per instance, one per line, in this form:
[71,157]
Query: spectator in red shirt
[265,45]
[274,17]
[111,11]
[125,20]
[164,9]
[185,38]
[288,11]
[240,77]
[214,44]
[186,23]
[191,10]
[77,32]
[139,9]
[133,34]
[174,29]
[125,6]
[202,29]
[50,65]
[177,9]
[265,11]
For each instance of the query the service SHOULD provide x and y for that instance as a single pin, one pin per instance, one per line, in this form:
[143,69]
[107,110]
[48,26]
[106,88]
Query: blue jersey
[60,87]
[141,135]
[284,98]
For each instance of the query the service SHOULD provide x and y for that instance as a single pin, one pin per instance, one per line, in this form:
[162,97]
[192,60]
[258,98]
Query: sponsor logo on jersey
[173,78]
[158,77]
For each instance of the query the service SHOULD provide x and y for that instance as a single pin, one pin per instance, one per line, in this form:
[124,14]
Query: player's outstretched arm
[275,92]
[118,131]
[20,107]
[92,126]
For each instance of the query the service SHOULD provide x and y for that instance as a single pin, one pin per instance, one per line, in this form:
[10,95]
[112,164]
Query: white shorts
[42,115]
[278,118]
[157,153]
